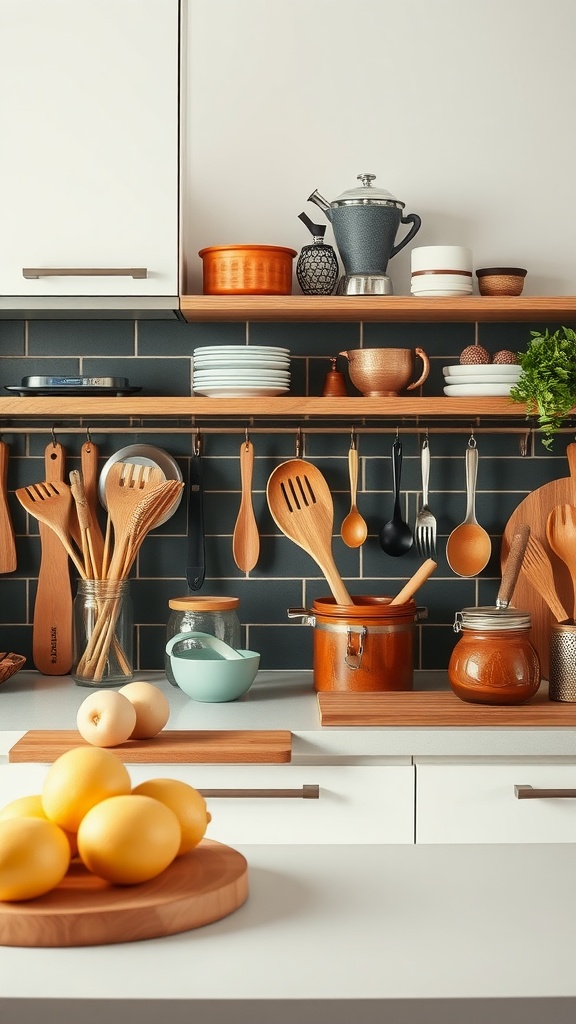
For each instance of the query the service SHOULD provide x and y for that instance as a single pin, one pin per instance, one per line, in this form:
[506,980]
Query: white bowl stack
[240,371]
[480,379]
[441,270]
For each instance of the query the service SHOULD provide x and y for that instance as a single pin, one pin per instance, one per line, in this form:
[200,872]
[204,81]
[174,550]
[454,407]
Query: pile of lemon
[89,809]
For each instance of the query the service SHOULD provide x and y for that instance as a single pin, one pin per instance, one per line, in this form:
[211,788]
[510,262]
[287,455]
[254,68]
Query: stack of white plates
[480,379]
[240,371]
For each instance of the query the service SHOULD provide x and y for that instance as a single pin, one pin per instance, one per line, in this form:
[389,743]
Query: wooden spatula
[52,624]
[7,542]
[301,505]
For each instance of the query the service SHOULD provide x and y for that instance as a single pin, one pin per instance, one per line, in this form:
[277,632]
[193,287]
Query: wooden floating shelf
[286,406]
[385,308]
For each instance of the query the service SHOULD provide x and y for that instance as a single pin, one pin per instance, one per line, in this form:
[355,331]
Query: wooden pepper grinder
[334,382]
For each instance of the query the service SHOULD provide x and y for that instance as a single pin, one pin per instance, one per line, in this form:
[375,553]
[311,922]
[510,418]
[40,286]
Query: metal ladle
[469,546]
[396,536]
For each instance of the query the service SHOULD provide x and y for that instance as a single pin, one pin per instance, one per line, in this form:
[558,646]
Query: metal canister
[367,648]
[562,671]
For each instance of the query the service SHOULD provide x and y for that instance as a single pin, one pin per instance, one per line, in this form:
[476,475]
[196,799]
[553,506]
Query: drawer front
[472,803]
[353,805]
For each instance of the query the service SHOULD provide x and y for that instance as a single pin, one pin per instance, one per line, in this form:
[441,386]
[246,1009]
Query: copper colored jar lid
[203,604]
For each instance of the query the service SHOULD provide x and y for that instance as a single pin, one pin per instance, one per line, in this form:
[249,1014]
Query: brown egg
[505,356]
[474,354]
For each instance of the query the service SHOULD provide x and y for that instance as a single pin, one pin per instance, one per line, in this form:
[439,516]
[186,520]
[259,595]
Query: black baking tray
[71,390]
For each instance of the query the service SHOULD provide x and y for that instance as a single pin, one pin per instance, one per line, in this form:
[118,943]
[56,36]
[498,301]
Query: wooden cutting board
[169,747]
[438,708]
[534,511]
[198,888]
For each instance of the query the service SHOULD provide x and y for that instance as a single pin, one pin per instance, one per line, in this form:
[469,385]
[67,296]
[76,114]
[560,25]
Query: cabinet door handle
[529,793]
[305,792]
[31,273]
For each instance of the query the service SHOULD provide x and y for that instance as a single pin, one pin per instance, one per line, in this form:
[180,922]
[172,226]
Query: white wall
[464,109]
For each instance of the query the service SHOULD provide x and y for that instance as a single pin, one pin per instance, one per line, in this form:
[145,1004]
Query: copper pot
[247,269]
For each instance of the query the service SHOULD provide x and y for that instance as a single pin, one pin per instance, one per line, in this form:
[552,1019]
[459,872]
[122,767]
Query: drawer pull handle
[31,273]
[305,792]
[529,793]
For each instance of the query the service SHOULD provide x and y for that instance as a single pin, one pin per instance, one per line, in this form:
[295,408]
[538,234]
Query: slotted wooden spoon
[561,535]
[51,503]
[301,505]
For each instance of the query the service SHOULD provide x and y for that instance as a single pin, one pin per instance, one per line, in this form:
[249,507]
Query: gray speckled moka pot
[365,221]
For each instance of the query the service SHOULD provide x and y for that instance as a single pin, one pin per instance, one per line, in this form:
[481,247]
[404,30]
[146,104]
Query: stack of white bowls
[240,371]
[441,270]
[480,379]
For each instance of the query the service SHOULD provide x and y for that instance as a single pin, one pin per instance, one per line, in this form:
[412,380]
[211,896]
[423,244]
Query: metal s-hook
[197,447]
[246,438]
[298,444]
[88,435]
[353,438]
[54,438]
[524,443]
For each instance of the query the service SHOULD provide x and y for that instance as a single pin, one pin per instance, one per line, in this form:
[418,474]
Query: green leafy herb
[547,383]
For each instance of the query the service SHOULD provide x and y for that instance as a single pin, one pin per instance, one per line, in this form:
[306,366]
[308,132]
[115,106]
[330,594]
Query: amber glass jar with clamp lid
[494,661]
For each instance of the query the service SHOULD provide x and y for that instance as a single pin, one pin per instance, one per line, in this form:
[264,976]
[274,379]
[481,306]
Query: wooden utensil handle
[52,628]
[8,551]
[513,566]
[416,581]
[353,472]
[246,467]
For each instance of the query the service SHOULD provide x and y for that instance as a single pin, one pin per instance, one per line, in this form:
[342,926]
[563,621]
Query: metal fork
[425,525]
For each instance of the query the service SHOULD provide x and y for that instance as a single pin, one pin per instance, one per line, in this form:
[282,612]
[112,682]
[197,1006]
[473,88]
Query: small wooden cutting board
[438,708]
[169,747]
[198,888]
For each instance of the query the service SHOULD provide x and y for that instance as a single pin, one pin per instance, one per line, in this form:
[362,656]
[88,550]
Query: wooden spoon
[301,505]
[89,467]
[246,539]
[354,529]
[561,535]
[469,546]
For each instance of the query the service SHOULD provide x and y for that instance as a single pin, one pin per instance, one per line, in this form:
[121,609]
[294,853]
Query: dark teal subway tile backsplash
[158,356]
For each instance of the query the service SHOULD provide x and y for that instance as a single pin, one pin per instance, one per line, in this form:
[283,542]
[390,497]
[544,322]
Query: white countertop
[349,924]
[281,700]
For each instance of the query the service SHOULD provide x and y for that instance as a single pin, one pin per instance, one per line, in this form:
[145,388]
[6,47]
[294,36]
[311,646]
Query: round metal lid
[492,619]
[367,194]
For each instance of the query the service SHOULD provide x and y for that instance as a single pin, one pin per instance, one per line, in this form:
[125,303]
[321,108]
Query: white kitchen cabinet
[89,176]
[462,802]
[355,804]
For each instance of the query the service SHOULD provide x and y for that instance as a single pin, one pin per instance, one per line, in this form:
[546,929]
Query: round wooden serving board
[534,510]
[203,886]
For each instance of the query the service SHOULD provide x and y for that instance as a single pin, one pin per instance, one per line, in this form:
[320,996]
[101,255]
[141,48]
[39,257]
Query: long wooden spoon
[354,529]
[561,535]
[246,539]
[415,581]
[301,505]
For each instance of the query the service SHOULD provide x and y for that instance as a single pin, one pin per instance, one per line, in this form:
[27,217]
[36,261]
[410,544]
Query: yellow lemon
[79,779]
[128,839]
[34,857]
[188,805]
[31,807]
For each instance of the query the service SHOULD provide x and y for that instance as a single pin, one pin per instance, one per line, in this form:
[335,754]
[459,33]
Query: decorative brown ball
[505,356]
[474,354]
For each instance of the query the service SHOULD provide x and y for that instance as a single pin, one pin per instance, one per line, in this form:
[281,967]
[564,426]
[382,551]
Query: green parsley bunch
[547,383]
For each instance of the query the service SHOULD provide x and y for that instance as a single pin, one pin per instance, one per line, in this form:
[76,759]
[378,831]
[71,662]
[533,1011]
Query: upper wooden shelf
[290,406]
[392,308]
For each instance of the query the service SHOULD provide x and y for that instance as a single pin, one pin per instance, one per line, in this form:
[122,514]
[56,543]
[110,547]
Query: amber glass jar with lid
[215,615]
[494,661]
